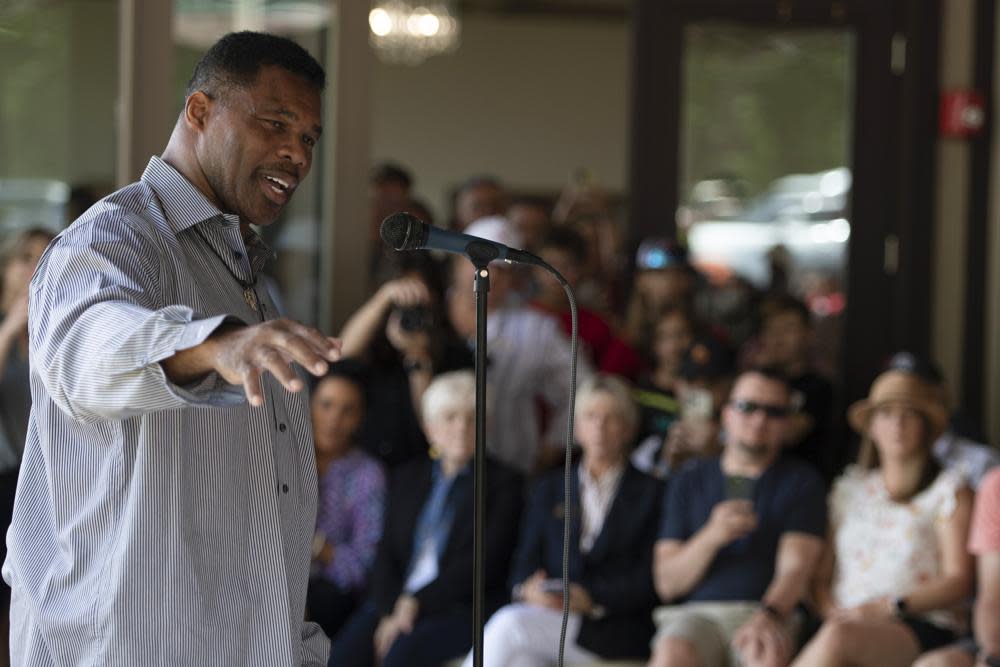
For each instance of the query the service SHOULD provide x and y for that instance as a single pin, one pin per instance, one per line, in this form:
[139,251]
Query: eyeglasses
[750,407]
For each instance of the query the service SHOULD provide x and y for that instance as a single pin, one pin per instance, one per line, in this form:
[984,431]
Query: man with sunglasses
[740,538]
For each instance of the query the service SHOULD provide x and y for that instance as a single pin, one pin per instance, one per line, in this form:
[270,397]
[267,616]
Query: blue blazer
[617,572]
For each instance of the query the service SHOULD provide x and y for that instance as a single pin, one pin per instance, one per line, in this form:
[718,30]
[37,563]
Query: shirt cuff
[211,390]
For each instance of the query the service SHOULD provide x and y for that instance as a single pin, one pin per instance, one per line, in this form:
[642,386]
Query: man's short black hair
[923,368]
[480,181]
[532,201]
[568,240]
[773,374]
[236,59]
[389,172]
[787,303]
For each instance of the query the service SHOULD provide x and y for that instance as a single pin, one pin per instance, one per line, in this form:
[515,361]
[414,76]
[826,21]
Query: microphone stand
[402,231]
[482,288]
[481,254]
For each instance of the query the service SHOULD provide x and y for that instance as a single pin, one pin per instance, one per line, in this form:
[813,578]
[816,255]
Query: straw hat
[900,387]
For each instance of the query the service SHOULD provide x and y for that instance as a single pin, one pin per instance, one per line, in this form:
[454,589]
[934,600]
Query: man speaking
[166,503]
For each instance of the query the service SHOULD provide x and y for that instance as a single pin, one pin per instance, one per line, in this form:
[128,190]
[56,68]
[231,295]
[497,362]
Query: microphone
[404,231]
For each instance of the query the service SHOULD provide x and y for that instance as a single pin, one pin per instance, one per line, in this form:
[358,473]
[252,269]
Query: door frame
[893,153]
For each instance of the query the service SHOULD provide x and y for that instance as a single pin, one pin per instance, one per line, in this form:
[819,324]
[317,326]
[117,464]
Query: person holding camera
[740,539]
[404,340]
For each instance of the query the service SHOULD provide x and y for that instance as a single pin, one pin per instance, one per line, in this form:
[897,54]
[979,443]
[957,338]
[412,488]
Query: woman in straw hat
[896,569]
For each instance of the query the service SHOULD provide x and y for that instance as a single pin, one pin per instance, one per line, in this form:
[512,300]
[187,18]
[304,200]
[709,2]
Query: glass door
[764,169]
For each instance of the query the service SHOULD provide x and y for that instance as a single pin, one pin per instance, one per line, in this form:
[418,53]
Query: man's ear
[197,108]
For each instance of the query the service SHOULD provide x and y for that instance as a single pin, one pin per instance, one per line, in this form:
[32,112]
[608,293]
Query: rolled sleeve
[98,327]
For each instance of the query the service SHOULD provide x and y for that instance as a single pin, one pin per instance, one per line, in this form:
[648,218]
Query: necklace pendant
[250,297]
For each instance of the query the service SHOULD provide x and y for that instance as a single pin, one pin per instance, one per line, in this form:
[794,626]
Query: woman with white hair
[419,611]
[896,570]
[615,514]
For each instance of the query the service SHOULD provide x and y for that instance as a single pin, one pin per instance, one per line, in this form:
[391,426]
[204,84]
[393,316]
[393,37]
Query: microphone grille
[396,228]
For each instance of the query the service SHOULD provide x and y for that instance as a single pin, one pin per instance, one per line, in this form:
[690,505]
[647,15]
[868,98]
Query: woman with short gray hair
[615,514]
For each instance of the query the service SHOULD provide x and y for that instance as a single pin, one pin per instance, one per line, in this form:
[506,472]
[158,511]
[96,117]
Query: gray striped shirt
[156,524]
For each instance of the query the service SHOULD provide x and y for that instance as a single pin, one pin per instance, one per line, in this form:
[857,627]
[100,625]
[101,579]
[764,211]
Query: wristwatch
[990,660]
[773,612]
[417,365]
[899,607]
[597,612]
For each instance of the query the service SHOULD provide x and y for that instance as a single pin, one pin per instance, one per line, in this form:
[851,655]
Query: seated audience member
[786,344]
[896,570]
[587,207]
[972,459]
[740,540]
[18,260]
[732,304]
[404,338]
[478,197]
[419,611]
[389,187]
[529,361]
[602,285]
[984,543]
[663,278]
[655,393]
[531,220]
[701,388]
[566,251]
[351,499]
[615,512]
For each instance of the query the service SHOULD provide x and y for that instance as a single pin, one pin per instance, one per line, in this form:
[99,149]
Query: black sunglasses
[750,407]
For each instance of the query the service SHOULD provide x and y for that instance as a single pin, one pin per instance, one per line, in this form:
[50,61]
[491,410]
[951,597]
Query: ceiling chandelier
[408,33]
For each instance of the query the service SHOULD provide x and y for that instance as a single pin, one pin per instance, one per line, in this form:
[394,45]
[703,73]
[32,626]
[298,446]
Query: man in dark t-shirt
[786,343]
[740,538]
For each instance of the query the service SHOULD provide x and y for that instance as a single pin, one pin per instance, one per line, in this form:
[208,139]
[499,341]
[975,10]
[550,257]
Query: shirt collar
[185,206]
[437,471]
[606,481]
[183,203]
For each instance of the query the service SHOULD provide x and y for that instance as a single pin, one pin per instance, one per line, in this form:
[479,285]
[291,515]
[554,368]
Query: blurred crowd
[727,506]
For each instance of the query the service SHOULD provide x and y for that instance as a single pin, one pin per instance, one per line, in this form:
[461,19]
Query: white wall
[527,99]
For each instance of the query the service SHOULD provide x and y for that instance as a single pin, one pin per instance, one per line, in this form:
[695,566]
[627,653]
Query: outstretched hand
[241,354]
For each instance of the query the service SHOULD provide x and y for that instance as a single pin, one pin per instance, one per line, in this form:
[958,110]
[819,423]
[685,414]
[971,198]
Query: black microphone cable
[568,467]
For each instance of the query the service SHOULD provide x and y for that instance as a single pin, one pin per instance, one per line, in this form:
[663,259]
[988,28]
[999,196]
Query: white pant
[522,635]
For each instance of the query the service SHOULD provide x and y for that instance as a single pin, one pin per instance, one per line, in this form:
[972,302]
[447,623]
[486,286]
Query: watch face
[900,605]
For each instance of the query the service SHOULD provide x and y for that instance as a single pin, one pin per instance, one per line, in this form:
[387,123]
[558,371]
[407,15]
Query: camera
[416,318]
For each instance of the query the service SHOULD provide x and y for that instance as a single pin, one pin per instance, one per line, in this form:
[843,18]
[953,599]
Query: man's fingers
[326,347]
[300,350]
[305,346]
[252,388]
[273,347]
[276,362]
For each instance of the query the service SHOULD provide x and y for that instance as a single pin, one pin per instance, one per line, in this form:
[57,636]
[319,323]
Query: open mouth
[278,189]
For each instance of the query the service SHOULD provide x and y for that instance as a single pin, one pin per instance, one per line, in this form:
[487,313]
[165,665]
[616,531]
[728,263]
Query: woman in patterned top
[896,570]
[352,489]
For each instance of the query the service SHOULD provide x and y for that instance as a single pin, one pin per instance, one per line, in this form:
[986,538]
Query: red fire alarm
[963,113]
